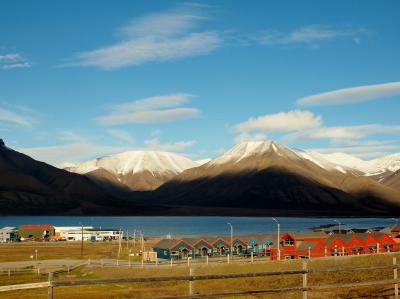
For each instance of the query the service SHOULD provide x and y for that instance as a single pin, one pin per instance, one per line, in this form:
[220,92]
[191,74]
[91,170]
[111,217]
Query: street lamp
[231,238]
[278,238]
[81,239]
[340,231]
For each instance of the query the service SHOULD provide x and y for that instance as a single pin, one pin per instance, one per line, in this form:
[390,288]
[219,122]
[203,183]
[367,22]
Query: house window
[289,241]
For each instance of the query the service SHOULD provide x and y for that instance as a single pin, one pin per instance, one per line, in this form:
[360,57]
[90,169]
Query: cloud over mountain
[157,109]
[352,95]
[160,36]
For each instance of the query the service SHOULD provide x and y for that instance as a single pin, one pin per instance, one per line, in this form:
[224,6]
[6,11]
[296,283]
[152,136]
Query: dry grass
[10,252]
[137,290]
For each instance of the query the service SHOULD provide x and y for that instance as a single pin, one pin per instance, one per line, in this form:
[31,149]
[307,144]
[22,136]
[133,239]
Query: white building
[75,233]
[8,234]
[105,234]
[71,233]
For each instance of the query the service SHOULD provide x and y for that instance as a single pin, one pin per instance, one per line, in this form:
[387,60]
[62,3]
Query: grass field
[10,252]
[156,289]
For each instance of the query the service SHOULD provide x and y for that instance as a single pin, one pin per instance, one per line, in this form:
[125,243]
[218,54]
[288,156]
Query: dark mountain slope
[31,187]
[276,178]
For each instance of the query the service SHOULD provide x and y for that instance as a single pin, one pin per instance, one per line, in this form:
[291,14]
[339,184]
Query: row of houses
[291,245]
[218,246]
[48,232]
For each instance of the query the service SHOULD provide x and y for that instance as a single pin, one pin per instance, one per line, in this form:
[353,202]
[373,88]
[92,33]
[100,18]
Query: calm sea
[188,226]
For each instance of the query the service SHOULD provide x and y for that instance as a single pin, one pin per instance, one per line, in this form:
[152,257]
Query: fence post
[50,288]
[188,260]
[227,258]
[207,259]
[252,257]
[342,250]
[396,285]
[377,247]
[190,283]
[38,271]
[309,253]
[304,280]
[325,251]
[171,262]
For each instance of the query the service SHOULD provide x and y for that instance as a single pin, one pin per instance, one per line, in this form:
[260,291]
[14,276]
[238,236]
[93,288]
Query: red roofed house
[307,245]
[36,231]
[299,245]
[359,243]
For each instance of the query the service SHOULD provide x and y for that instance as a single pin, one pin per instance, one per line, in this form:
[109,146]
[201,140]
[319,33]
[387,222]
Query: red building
[314,245]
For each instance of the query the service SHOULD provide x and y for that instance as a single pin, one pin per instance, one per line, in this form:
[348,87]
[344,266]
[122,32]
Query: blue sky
[82,79]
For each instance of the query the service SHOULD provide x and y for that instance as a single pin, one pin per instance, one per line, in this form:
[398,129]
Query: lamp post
[231,239]
[81,239]
[278,238]
[340,231]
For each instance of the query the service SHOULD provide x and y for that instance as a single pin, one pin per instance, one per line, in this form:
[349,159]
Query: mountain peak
[137,161]
[251,148]
[2,144]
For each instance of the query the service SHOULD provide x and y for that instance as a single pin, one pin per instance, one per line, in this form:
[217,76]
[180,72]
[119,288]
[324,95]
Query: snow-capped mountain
[202,161]
[139,170]
[385,163]
[251,148]
[269,175]
[368,167]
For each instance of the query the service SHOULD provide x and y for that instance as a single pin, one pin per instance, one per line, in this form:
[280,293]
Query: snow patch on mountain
[202,161]
[136,162]
[252,148]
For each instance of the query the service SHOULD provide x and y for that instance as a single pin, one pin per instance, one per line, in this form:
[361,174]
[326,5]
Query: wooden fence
[304,288]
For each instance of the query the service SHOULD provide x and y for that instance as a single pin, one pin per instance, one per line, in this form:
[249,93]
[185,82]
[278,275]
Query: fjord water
[191,225]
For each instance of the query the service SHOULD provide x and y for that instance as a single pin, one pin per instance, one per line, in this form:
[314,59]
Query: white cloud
[352,95]
[122,135]
[71,152]
[341,133]
[149,110]
[13,61]
[243,137]
[155,37]
[155,144]
[9,58]
[167,101]
[294,120]
[17,66]
[19,118]
[362,149]
[308,35]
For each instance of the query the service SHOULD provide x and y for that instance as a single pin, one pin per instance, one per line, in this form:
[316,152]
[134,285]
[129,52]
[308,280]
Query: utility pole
[278,238]
[231,253]
[81,239]
[119,242]
[134,240]
[340,230]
